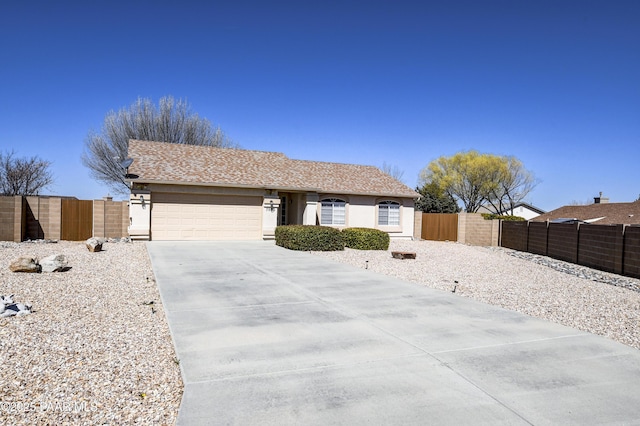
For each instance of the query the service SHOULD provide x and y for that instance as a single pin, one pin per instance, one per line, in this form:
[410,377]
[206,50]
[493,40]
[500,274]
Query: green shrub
[492,216]
[309,238]
[365,239]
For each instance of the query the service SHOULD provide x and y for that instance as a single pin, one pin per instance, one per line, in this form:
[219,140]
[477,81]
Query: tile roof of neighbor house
[200,165]
[606,213]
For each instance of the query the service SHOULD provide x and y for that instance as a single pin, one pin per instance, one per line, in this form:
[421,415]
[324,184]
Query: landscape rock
[54,263]
[15,309]
[94,245]
[24,264]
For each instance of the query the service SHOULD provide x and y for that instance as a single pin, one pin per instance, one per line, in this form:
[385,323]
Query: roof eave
[220,185]
[413,195]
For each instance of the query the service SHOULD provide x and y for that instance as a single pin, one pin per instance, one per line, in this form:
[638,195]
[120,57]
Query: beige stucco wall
[361,212]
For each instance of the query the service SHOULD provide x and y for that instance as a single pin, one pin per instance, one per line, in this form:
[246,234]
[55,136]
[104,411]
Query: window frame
[395,227]
[333,201]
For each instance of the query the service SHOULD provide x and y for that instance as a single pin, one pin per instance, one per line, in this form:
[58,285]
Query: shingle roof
[199,165]
[610,213]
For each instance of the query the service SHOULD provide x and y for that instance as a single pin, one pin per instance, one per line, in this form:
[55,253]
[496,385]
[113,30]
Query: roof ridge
[333,162]
[210,147]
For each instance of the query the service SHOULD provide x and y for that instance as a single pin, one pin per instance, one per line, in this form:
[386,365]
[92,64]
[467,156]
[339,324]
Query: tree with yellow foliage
[476,180]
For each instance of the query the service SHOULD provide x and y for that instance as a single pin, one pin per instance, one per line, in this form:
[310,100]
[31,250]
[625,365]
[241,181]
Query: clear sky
[555,83]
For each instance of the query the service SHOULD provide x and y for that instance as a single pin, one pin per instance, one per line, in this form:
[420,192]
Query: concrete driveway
[268,336]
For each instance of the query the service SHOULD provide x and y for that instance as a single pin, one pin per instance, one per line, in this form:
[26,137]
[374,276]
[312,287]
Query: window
[282,220]
[389,213]
[332,212]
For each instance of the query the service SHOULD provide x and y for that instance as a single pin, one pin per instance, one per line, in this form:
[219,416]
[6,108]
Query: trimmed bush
[365,239]
[492,216]
[309,238]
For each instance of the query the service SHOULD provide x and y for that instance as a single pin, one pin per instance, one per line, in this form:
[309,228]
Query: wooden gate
[439,226]
[77,219]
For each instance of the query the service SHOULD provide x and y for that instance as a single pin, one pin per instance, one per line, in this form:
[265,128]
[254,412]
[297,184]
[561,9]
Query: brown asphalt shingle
[611,213]
[199,165]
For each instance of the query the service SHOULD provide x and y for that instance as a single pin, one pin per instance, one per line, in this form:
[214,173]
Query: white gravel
[493,276]
[94,351]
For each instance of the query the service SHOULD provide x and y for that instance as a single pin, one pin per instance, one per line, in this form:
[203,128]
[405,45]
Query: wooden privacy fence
[439,226]
[611,248]
[61,218]
[77,219]
[465,228]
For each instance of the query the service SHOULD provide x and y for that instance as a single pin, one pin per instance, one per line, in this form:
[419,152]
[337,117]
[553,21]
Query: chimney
[600,199]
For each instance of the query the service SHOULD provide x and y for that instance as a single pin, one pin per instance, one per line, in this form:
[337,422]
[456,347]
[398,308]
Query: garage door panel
[205,217]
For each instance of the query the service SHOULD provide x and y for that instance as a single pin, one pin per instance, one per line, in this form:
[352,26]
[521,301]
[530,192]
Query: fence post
[618,265]
[417,225]
[19,219]
[462,228]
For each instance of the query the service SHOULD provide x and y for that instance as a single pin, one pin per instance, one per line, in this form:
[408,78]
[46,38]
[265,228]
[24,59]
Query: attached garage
[205,217]
[192,192]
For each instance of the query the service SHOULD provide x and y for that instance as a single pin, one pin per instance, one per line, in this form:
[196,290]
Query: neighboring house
[186,192]
[524,210]
[527,211]
[599,213]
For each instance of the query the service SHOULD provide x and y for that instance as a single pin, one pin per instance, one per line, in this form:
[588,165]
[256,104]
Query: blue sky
[555,83]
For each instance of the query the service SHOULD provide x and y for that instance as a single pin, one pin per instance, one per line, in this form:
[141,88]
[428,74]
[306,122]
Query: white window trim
[389,228]
[333,201]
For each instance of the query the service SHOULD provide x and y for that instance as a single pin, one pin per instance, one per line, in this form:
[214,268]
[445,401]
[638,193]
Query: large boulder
[94,245]
[24,264]
[54,263]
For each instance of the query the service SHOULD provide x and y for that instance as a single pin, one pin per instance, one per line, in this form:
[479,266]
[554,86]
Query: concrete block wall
[40,217]
[110,218]
[475,230]
[631,259]
[601,247]
[417,224]
[562,241]
[514,235]
[612,248]
[538,238]
[8,226]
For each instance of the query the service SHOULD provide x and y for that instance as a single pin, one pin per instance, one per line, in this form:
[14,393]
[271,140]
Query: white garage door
[205,217]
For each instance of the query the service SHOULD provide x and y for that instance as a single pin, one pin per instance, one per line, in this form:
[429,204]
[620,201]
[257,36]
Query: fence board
[612,248]
[77,219]
[631,260]
[439,226]
[600,247]
[563,241]
[537,239]
[514,235]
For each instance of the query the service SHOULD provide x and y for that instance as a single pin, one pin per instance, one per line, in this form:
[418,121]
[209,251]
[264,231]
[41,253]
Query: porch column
[310,210]
[140,215]
[270,208]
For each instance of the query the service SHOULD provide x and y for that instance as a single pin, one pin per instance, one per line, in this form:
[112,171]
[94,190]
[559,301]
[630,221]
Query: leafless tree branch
[23,176]
[171,121]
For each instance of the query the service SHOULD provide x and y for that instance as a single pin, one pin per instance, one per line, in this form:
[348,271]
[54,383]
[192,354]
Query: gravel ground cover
[572,295]
[97,347]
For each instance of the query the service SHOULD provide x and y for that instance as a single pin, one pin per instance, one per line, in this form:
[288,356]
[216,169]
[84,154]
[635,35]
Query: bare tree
[514,184]
[23,176]
[171,121]
[393,171]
